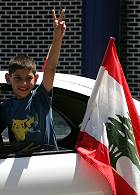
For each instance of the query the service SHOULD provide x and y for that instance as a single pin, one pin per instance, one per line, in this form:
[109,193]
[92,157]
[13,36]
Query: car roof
[75,83]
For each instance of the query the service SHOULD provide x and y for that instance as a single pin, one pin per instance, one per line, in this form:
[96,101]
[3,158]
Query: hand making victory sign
[54,51]
[59,24]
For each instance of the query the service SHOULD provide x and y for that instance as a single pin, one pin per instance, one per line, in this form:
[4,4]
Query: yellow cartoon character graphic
[20,128]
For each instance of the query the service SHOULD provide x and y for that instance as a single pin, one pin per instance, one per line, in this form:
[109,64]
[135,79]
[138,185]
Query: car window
[61,127]
[5,135]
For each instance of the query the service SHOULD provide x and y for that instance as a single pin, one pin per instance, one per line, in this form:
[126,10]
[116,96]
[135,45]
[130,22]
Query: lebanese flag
[110,133]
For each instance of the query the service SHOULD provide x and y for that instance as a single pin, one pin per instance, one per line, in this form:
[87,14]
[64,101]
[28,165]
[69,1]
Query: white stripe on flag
[109,94]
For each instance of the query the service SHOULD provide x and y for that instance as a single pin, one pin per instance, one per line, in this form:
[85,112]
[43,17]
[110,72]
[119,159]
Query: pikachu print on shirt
[20,128]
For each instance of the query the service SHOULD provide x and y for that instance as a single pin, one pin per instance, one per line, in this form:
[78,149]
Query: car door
[51,174]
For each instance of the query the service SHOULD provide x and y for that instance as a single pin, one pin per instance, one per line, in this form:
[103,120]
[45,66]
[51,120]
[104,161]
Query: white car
[47,171]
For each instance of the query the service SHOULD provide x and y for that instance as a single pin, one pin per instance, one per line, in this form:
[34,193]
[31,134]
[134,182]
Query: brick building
[130,43]
[26,27]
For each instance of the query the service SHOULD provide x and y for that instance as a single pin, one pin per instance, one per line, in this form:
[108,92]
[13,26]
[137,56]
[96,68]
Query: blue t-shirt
[30,119]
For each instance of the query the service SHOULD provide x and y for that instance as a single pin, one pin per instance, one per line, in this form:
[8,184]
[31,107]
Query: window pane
[62,128]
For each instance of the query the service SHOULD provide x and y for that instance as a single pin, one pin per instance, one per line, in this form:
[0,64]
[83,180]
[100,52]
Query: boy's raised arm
[54,51]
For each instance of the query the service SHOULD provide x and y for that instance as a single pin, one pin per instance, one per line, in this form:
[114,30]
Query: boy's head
[22,75]
[22,61]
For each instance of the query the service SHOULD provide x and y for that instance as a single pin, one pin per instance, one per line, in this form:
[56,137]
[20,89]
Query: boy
[28,115]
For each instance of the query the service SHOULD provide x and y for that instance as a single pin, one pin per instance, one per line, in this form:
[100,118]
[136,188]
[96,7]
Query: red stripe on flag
[110,61]
[97,155]
[133,114]
[122,187]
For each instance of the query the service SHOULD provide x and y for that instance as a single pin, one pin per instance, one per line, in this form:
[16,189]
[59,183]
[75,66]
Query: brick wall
[26,27]
[130,43]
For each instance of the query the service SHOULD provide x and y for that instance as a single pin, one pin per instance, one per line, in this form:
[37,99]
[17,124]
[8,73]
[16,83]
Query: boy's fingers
[54,15]
[61,15]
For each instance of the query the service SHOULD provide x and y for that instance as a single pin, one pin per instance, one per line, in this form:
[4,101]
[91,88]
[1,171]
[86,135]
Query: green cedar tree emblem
[121,140]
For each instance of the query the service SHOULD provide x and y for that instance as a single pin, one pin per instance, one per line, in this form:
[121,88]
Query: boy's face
[22,82]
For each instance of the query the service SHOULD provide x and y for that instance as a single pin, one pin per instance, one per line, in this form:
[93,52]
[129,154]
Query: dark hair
[22,61]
